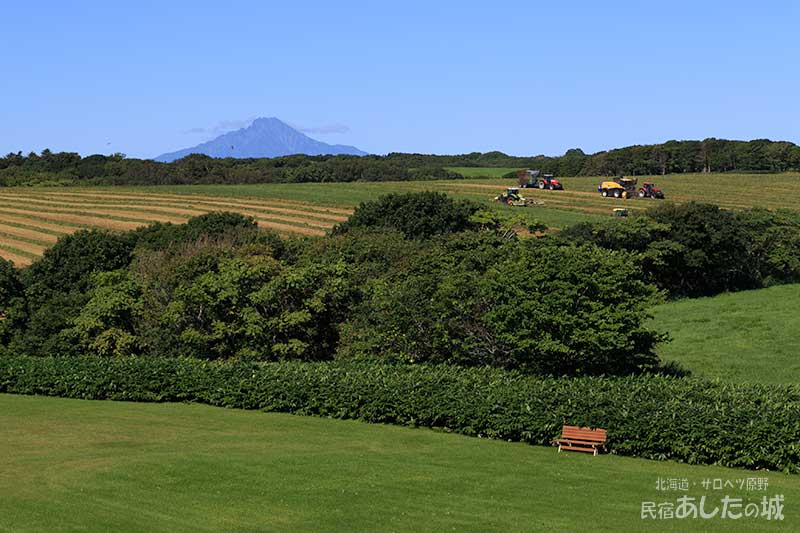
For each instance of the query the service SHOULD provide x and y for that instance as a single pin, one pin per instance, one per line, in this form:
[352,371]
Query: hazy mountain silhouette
[265,137]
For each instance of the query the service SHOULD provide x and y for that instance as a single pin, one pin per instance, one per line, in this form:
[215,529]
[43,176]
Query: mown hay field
[32,219]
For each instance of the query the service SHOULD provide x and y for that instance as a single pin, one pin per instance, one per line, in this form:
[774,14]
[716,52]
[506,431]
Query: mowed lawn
[75,465]
[745,336]
[32,218]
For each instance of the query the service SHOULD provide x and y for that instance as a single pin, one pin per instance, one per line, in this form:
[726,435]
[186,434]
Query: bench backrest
[587,434]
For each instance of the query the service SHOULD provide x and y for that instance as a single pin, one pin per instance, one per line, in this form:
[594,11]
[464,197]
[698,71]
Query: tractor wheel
[617,193]
[604,192]
[542,185]
[642,194]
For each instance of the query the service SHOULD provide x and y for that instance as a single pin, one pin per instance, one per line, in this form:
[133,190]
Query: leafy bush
[558,310]
[656,417]
[416,215]
[231,227]
[699,249]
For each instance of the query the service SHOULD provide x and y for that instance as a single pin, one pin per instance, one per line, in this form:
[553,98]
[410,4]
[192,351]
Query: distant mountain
[265,137]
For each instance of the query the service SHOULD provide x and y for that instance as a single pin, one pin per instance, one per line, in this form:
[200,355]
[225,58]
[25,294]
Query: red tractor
[548,181]
[533,179]
[649,190]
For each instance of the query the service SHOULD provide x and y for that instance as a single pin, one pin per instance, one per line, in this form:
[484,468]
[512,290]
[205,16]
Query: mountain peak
[265,137]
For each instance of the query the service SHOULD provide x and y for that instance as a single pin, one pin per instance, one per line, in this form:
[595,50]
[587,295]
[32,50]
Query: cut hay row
[39,223]
[211,205]
[217,200]
[25,241]
[27,234]
[182,212]
[22,247]
[19,260]
[272,205]
[126,220]
[113,220]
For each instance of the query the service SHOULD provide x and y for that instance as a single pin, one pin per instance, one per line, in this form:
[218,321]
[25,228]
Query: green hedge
[657,417]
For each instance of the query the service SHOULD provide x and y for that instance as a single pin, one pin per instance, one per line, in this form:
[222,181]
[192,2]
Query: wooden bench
[581,439]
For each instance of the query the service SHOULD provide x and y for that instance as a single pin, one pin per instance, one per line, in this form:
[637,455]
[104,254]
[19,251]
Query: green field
[72,465]
[482,172]
[744,336]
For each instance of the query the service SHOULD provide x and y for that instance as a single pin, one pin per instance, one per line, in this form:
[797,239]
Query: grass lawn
[71,465]
[744,336]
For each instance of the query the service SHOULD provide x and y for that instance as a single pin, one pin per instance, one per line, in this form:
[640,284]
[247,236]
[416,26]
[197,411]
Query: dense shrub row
[656,417]
[698,249]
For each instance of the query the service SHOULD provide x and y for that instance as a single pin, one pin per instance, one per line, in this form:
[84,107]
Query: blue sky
[435,77]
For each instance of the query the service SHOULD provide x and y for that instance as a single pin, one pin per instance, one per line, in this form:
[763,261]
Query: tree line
[709,155]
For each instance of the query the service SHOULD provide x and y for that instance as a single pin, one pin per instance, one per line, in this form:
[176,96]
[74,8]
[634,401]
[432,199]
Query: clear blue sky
[436,77]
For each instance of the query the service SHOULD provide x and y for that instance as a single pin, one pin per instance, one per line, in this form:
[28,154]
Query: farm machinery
[622,187]
[618,188]
[533,179]
[649,190]
[512,197]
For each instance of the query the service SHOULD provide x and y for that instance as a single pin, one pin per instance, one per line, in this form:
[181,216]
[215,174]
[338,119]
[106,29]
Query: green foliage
[105,324]
[656,417]
[68,265]
[536,307]
[233,227]
[416,215]
[247,306]
[699,249]
[12,299]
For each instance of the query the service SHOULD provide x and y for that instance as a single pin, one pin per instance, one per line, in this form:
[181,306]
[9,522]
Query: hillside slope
[745,336]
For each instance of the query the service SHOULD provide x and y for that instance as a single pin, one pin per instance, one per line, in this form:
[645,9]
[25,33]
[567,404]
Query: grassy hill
[744,336]
[112,466]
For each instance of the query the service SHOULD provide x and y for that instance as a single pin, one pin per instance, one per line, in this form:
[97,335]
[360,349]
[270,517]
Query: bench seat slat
[581,439]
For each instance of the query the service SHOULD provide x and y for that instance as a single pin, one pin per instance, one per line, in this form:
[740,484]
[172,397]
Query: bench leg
[559,448]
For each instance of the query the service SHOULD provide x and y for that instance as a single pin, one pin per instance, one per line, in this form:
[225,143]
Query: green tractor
[512,197]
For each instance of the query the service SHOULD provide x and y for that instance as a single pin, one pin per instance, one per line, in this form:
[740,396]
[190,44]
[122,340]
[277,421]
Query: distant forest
[709,155]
